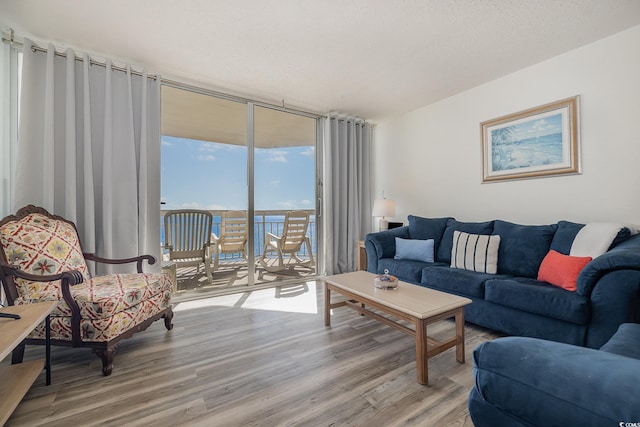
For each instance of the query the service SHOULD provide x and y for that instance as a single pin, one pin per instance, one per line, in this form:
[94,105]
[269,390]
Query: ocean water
[270,224]
[527,152]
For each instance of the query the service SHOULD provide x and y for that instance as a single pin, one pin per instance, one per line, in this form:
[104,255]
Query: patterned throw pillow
[475,252]
[42,246]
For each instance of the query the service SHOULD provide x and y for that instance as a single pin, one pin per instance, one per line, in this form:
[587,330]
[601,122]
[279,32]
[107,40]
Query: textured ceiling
[367,58]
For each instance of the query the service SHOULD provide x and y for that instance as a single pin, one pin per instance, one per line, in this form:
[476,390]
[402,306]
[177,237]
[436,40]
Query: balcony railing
[267,221]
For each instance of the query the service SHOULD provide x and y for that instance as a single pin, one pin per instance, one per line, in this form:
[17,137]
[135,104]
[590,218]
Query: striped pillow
[475,252]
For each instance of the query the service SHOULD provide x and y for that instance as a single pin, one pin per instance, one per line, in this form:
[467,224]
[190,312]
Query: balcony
[232,273]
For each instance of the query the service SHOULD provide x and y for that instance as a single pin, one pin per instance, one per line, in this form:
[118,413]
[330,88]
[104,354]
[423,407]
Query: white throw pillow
[475,252]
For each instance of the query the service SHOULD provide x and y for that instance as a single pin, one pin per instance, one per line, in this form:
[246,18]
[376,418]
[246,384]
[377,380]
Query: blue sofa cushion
[456,280]
[427,228]
[546,383]
[564,236]
[485,414]
[540,298]
[522,247]
[623,235]
[625,342]
[403,269]
[446,243]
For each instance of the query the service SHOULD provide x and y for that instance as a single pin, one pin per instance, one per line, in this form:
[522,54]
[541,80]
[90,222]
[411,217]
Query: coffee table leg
[327,305]
[422,359]
[460,335]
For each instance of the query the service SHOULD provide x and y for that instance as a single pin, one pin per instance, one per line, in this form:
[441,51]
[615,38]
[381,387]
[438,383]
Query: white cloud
[310,152]
[206,157]
[165,143]
[277,156]
[207,147]
[215,207]
[275,183]
[289,204]
[190,205]
[279,159]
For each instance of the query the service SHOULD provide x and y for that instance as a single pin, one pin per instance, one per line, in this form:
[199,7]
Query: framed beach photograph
[541,141]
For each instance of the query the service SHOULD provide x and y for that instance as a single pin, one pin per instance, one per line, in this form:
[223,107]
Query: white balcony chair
[188,238]
[233,236]
[294,235]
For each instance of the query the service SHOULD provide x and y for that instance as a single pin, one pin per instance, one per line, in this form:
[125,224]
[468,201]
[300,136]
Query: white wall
[430,162]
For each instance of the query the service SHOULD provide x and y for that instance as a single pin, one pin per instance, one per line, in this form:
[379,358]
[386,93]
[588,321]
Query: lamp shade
[384,207]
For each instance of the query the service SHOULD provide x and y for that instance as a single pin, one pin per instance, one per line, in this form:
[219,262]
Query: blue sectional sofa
[523,382]
[513,301]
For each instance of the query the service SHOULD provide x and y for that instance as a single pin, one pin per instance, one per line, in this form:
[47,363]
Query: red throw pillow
[562,270]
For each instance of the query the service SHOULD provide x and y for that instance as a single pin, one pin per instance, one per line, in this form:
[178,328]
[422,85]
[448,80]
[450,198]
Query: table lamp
[384,208]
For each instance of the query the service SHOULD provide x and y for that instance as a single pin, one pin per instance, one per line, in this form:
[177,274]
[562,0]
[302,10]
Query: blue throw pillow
[413,249]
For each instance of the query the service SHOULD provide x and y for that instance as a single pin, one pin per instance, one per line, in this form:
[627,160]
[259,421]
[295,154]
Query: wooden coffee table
[414,304]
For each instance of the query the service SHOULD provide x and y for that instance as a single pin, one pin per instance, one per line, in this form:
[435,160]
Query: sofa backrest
[428,228]
[567,232]
[446,243]
[625,342]
[522,247]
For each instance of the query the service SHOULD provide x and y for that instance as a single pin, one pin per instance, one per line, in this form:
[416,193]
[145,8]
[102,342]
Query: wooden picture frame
[538,142]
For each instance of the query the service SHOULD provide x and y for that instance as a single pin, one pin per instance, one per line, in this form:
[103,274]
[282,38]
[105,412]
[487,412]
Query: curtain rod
[173,83]
[36,48]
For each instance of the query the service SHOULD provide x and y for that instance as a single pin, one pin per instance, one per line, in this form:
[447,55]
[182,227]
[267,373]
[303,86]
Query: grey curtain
[347,186]
[89,150]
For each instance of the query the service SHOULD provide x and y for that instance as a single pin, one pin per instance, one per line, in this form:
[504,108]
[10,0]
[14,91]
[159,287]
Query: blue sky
[540,127]
[206,175]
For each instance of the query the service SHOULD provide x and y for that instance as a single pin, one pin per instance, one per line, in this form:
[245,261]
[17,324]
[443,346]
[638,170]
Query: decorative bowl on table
[385,281]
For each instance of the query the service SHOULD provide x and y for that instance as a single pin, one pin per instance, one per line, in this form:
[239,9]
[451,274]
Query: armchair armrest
[138,260]
[274,237]
[67,279]
[549,383]
[72,277]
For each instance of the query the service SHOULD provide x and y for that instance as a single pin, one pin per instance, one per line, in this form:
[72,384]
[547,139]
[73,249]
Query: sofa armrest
[625,256]
[549,383]
[382,245]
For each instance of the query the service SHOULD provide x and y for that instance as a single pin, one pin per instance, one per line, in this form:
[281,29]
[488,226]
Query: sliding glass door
[253,168]
[285,194]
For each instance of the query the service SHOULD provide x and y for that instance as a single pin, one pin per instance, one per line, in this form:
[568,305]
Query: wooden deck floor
[231,277]
[261,358]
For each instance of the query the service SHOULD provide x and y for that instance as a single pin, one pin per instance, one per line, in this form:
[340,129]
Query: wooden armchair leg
[168,317]
[106,355]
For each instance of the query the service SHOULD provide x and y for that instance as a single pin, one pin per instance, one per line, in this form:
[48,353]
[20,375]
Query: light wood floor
[261,358]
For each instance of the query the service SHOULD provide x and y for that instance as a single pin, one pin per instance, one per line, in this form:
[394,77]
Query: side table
[362,256]
[15,380]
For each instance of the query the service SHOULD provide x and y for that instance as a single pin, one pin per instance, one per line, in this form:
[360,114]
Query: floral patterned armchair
[41,260]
